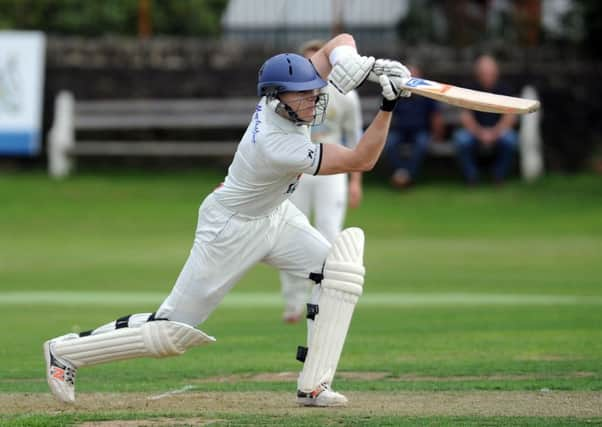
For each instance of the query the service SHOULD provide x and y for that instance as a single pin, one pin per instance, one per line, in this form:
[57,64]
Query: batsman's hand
[350,72]
[390,90]
[395,70]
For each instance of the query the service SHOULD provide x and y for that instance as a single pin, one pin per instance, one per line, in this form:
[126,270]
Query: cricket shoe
[60,373]
[292,314]
[322,396]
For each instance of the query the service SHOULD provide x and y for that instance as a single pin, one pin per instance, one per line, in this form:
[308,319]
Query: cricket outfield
[481,306]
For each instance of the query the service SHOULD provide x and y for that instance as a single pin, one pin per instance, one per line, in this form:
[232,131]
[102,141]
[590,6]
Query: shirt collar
[279,121]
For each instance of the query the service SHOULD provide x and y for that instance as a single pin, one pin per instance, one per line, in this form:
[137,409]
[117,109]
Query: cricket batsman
[249,219]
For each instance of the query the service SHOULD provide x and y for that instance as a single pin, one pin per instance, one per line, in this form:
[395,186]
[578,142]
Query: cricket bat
[471,99]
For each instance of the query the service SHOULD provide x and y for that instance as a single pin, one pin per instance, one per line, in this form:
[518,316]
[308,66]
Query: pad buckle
[301,353]
[312,310]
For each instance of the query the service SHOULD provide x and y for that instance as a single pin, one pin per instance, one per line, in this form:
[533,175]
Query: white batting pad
[340,289]
[158,338]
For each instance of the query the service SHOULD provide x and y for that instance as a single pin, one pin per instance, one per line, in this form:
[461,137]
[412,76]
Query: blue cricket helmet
[287,72]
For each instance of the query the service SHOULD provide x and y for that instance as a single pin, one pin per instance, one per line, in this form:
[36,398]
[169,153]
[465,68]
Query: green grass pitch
[467,291]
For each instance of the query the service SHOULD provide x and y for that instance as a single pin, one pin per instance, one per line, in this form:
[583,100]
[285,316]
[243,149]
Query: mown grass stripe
[274,299]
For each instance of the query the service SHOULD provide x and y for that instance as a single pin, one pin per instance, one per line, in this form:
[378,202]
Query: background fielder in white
[325,197]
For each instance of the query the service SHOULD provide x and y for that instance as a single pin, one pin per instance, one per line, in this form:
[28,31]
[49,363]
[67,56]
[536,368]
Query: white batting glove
[395,70]
[350,72]
[390,90]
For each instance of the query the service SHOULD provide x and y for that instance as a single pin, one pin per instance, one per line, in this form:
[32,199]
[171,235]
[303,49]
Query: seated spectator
[486,132]
[416,121]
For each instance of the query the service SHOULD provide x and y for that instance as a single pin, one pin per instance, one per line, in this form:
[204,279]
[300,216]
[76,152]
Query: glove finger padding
[395,70]
[350,72]
[389,92]
[398,82]
[390,68]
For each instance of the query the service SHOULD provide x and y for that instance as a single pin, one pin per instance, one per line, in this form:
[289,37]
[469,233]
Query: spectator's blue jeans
[418,141]
[467,148]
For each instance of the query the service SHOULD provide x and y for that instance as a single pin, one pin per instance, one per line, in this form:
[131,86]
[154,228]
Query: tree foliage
[116,17]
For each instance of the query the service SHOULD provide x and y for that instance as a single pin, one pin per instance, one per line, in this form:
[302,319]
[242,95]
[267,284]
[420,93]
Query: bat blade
[471,99]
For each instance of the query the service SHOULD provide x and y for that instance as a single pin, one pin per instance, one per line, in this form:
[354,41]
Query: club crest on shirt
[257,122]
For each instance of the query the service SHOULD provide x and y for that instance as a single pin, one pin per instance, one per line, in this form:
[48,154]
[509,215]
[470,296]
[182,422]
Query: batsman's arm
[321,59]
[339,63]
[339,159]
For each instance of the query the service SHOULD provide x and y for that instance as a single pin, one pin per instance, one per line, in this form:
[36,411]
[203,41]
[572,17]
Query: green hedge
[119,17]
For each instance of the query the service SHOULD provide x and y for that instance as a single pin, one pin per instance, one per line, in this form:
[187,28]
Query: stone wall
[569,86]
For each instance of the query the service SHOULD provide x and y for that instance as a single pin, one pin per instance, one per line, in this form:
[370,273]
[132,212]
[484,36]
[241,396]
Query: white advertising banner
[22,55]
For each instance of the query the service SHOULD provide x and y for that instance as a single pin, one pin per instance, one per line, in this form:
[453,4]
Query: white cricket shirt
[268,163]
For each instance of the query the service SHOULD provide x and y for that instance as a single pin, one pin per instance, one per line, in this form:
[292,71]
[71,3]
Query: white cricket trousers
[326,197]
[228,244]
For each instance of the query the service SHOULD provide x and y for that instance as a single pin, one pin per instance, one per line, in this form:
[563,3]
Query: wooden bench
[75,117]
[213,116]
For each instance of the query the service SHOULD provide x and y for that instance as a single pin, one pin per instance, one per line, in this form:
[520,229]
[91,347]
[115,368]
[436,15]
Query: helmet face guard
[289,72]
[294,110]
